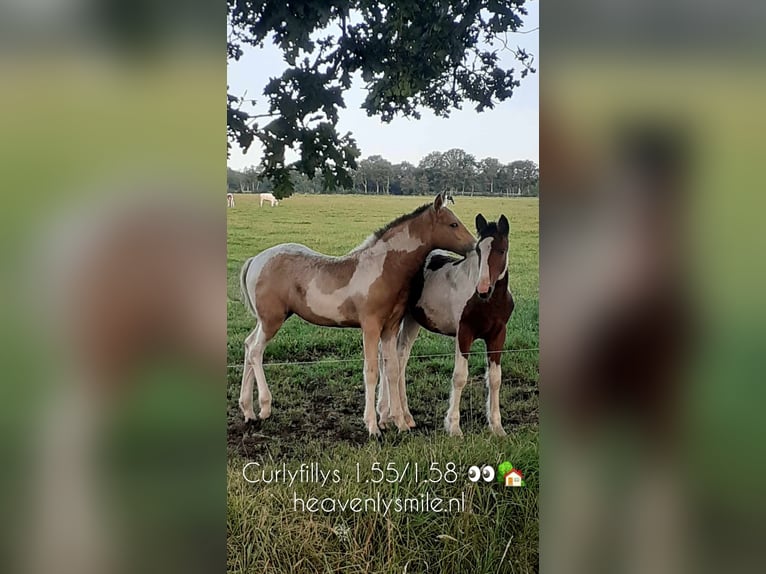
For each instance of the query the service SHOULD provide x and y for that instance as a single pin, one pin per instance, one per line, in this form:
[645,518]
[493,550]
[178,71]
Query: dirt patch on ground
[327,420]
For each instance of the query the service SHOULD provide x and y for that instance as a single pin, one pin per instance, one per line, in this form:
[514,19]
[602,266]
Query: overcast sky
[508,132]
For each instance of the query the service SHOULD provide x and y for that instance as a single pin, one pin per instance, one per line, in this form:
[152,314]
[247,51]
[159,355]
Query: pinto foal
[367,288]
[463,298]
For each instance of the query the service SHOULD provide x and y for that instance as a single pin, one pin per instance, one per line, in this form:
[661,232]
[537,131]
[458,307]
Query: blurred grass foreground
[652,287]
[113,297]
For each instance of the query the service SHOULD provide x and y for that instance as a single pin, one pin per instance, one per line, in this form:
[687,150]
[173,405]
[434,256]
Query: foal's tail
[243,286]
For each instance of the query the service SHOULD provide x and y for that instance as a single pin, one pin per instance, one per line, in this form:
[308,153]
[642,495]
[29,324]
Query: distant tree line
[454,170]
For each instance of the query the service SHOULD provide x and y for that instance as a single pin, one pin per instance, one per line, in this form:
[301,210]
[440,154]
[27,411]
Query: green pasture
[317,416]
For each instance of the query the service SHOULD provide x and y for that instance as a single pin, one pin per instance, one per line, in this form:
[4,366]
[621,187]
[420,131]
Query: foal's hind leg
[407,336]
[255,344]
[391,364]
[248,378]
[463,343]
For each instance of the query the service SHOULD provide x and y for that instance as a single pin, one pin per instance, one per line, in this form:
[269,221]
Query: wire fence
[361,359]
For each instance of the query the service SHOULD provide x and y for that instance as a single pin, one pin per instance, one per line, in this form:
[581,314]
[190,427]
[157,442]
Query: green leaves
[238,128]
[411,55]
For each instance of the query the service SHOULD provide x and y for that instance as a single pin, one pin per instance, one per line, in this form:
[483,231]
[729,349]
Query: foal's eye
[453,225]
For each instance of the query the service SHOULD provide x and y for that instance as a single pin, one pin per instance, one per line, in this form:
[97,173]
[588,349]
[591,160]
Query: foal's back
[294,279]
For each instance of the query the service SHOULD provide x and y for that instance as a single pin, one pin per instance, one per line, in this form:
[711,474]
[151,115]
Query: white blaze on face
[485,246]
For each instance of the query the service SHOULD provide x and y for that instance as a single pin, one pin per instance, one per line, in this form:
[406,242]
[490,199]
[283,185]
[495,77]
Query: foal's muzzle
[487,295]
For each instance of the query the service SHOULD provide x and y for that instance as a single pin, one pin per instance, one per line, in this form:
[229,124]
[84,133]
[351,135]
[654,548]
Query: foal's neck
[409,241]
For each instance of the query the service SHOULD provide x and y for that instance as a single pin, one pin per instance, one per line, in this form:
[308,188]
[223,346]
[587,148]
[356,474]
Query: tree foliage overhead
[410,55]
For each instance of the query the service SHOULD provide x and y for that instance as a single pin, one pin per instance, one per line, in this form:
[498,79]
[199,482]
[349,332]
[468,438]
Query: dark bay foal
[467,299]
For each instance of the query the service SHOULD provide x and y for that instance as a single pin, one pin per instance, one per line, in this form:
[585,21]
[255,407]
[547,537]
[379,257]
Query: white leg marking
[384,412]
[391,363]
[407,336]
[264,394]
[371,340]
[255,344]
[459,379]
[493,399]
[248,378]
[485,246]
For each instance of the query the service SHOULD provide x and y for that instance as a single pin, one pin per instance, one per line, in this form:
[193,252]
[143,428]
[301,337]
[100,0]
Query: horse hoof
[265,413]
[498,431]
[410,421]
[454,430]
[374,431]
[247,411]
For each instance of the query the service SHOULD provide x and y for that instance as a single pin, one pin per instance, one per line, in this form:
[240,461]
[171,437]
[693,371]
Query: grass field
[317,417]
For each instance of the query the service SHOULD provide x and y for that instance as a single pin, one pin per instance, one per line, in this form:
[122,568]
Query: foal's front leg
[407,335]
[494,375]
[371,338]
[384,411]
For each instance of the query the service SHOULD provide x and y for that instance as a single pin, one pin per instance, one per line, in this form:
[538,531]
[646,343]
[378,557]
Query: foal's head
[447,231]
[493,253]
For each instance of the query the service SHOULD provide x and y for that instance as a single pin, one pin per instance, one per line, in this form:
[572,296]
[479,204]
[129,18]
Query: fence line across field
[361,359]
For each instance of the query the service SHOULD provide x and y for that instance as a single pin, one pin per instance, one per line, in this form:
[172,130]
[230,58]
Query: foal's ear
[481,223]
[503,226]
[438,201]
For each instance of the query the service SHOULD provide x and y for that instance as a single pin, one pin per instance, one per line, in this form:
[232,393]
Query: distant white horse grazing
[269,197]
[229,200]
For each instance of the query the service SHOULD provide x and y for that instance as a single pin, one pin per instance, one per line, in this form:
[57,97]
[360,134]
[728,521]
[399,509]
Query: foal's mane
[390,225]
[401,219]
